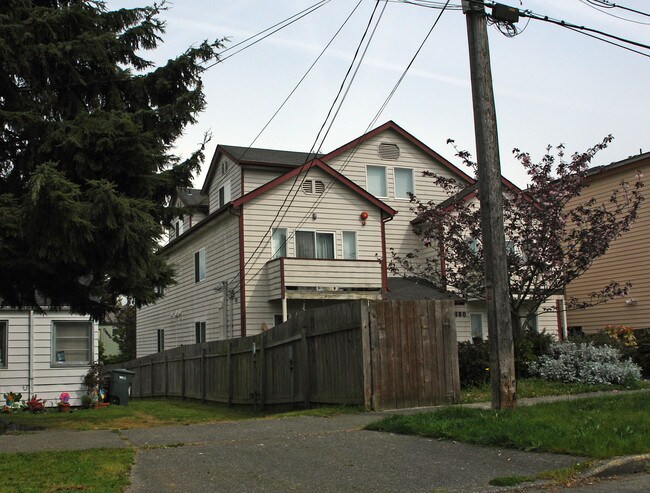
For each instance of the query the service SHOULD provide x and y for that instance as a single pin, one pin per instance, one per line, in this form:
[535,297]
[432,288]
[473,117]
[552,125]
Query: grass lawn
[147,413]
[98,470]
[597,427]
[533,387]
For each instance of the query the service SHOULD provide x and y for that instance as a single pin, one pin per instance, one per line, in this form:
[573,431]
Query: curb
[619,466]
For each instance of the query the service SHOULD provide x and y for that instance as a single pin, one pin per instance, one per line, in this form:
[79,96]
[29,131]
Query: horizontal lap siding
[300,272]
[16,374]
[339,211]
[188,302]
[255,178]
[399,232]
[233,176]
[626,260]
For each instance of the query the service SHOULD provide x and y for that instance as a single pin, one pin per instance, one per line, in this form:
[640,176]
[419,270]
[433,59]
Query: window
[279,243]
[533,323]
[472,243]
[350,245]
[72,343]
[224,195]
[313,244]
[199,265]
[4,343]
[376,180]
[403,183]
[476,325]
[161,340]
[199,328]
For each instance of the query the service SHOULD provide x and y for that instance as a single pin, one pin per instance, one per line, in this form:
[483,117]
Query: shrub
[529,348]
[35,405]
[473,363]
[86,401]
[641,356]
[585,363]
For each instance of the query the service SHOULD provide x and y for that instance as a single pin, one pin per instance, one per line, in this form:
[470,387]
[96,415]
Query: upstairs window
[71,343]
[161,340]
[350,245]
[314,244]
[279,243]
[199,265]
[224,195]
[403,183]
[376,180]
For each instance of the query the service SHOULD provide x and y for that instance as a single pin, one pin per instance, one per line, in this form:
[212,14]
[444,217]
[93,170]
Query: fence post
[261,366]
[141,377]
[183,372]
[203,376]
[229,370]
[366,355]
[304,371]
[151,379]
[166,376]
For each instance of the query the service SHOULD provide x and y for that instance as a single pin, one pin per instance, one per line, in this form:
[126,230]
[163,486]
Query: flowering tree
[552,235]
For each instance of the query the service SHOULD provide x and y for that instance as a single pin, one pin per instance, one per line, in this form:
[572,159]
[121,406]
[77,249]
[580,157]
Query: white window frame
[226,194]
[356,245]
[4,343]
[471,335]
[314,233]
[395,169]
[199,261]
[58,358]
[199,332]
[275,251]
[368,166]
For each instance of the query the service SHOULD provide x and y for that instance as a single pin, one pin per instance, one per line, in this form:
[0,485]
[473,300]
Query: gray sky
[551,85]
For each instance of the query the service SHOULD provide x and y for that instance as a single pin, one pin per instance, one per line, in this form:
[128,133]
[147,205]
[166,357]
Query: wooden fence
[378,354]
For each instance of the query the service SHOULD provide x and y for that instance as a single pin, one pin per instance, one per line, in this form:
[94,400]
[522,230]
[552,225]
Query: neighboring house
[46,354]
[288,231]
[628,258]
[107,332]
[197,205]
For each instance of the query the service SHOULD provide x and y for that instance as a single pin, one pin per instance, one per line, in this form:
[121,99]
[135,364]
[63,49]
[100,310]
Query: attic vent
[388,151]
[313,186]
[224,167]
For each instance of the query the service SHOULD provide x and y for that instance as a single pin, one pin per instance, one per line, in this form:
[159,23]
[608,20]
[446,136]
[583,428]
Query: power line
[593,6]
[610,5]
[282,24]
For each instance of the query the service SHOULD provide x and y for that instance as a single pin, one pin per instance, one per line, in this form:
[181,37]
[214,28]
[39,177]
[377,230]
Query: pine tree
[86,162]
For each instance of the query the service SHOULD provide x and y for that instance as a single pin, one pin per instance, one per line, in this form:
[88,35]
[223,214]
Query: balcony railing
[302,278]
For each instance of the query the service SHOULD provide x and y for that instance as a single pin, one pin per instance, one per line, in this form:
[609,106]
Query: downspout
[242,272]
[30,355]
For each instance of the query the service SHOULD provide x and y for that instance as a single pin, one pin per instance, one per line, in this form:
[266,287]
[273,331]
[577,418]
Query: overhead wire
[611,5]
[599,9]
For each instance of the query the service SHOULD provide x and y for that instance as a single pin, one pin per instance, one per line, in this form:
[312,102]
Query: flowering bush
[64,398]
[585,363]
[622,334]
[35,405]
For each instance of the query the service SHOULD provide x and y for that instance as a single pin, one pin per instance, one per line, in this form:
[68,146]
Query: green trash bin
[120,387]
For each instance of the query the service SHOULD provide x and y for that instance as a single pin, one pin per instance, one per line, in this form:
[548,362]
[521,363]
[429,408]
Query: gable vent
[388,151]
[319,187]
[307,186]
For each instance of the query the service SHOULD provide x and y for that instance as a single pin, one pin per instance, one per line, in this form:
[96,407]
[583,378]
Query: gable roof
[192,197]
[316,163]
[631,161]
[391,125]
[256,157]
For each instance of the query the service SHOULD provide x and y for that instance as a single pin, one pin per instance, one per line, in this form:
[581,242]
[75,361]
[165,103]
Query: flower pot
[97,405]
[64,408]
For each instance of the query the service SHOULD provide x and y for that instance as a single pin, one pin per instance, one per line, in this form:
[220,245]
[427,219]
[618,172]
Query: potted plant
[64,402]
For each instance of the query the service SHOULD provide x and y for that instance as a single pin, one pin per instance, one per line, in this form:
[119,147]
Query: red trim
[384,268]
[242,273]
[399,130]
[316,163]
[283,288]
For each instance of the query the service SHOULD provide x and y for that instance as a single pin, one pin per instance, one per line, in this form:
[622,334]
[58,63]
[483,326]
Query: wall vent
[388,151]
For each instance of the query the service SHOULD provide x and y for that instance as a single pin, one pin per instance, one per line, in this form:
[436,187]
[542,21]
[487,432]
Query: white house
[46,354]
[286,231]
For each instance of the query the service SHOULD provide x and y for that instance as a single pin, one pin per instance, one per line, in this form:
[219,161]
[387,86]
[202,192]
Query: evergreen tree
[87,128]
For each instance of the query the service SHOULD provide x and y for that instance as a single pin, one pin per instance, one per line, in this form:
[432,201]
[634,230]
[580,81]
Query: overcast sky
[551,85]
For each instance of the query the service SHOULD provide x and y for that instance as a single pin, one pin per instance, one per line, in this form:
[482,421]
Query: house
[46,354]
[288,231]
[197,205]
[107,332]
[627,259]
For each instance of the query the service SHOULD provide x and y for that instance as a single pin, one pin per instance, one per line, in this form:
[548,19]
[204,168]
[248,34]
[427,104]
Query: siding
[232,176]
[48,381]
[626,260]
[256,177]
[188,302]
[399,233]
[338,212]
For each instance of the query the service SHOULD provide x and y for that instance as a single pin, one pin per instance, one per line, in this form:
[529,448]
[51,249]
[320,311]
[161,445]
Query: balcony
[302,278]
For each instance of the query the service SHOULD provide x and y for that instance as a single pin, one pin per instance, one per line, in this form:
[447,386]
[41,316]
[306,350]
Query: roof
[632,160]
[316,163]
[192,197]
[391,125]
[413,288]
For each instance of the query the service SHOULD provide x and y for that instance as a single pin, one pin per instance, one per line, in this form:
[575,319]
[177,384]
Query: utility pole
[502,364]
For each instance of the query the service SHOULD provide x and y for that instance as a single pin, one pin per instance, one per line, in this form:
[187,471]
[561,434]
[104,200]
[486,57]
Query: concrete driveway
[317,455]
